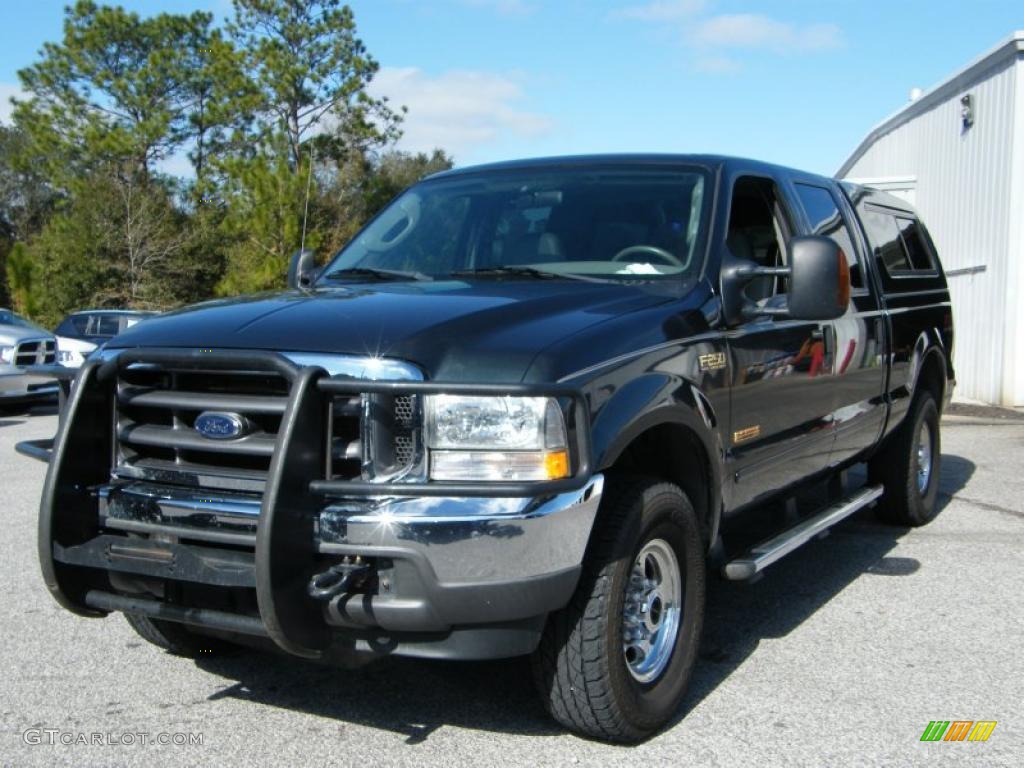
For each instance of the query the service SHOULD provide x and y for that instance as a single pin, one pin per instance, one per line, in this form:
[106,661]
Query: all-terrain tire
[580,667]
[911,487]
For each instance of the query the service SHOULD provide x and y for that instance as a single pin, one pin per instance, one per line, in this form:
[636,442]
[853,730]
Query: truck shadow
[415,697]
[26,410]
[740,616]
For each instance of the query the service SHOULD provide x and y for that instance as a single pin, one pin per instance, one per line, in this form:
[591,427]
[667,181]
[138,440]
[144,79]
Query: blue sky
[790,81]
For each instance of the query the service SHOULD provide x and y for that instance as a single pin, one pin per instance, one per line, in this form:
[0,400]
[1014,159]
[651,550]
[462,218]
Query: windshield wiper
[541,274]
[383,274]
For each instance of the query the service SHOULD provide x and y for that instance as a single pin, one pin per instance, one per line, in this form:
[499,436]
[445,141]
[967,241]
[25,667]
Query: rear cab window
[900,245]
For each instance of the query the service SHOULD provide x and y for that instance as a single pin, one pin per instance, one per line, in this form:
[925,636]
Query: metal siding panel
[963,194]
[1013,357]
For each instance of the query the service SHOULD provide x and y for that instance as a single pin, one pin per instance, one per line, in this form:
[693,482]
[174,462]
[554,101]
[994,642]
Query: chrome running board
[767,552]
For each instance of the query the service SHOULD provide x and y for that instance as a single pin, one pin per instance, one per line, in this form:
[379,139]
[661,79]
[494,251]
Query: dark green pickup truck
[525,411]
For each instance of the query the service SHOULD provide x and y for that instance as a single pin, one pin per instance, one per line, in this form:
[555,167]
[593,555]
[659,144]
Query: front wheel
[614,664]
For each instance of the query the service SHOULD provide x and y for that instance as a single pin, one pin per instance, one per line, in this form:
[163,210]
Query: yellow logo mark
[712,361]
[982,730]
[746,434]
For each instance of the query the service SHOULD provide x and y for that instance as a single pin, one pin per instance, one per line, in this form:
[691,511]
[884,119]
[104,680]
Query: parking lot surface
[840,655]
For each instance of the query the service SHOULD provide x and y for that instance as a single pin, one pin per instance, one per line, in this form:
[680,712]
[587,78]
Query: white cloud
[7,90]
[716,65]
[710,35]
[757,31]
[457,110]
[660,10]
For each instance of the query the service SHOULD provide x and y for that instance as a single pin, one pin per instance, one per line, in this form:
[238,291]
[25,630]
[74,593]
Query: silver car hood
[11,335]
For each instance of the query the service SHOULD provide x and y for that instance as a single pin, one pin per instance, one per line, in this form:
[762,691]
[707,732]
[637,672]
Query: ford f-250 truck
[524,411]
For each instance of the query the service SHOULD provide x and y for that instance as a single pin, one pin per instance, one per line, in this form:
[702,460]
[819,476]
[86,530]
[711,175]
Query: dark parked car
[522,412]
[80,333]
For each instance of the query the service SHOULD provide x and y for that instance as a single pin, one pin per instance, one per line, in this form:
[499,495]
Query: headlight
[496,438]
[65,356]
[6,354]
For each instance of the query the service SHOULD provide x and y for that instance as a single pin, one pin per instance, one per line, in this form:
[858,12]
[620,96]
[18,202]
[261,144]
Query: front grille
[156,437]
[155,419]
[38,352]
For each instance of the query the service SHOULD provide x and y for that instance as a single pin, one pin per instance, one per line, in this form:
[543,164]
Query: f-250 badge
[712,361]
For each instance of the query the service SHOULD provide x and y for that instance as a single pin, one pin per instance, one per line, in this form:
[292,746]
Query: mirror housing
[819,279]
[819,283]
[302,269]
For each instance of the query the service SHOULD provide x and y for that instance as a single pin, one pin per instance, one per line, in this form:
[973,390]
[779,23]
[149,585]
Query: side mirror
[302,270]
[818,277]
[819,280]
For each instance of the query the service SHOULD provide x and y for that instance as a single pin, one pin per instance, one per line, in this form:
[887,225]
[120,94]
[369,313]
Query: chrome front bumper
[441,562]
[18,385]
[472,540]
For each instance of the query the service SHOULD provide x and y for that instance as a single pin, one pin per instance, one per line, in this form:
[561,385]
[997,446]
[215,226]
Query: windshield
[620,224]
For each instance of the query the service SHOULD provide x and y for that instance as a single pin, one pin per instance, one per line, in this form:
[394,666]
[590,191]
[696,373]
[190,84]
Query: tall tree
[22,279]
[25,196]
[26,199]
[263,223]
[308,68]
[307,95]
[118,89]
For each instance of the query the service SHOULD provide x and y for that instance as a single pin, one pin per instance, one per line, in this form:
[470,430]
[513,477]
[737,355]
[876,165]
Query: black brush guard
[295,492]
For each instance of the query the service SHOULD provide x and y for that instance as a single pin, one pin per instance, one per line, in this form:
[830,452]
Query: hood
[75,344]
[487,330]
[15,334]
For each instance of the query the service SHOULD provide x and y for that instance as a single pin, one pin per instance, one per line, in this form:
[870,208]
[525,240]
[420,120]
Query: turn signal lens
[521,466]
[556,463]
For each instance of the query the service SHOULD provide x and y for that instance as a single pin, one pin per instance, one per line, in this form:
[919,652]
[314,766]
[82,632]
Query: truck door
[858,405]
[782,369]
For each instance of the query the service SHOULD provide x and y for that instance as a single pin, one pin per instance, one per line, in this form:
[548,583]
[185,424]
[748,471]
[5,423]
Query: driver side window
[758,230]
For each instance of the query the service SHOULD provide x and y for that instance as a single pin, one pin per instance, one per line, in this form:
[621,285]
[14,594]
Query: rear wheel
[614,664]
[908,467]
[177,638]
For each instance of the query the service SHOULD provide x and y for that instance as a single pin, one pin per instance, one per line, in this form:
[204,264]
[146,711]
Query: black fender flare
[653,400]
[928,345]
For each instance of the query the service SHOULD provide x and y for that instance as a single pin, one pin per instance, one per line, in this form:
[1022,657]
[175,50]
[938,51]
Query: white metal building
[956,152]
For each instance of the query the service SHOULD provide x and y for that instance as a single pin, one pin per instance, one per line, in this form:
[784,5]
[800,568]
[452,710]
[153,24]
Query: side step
[767,552]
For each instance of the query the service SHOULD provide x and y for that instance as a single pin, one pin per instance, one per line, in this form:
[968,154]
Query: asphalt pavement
[840,655]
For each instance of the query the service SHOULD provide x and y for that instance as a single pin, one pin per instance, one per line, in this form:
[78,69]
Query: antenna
[305,212]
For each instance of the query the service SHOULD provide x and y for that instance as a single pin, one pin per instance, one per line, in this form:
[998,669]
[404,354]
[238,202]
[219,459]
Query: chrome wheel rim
[652,611]
[924,458]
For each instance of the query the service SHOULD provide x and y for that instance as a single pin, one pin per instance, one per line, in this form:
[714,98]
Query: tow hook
[343,577]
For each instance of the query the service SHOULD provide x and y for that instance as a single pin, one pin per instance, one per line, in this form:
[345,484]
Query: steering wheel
[668,258]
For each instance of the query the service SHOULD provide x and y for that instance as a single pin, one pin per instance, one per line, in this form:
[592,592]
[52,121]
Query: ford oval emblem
[217,425]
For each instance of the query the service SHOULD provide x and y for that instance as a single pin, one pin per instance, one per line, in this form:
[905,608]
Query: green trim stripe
[934,730]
